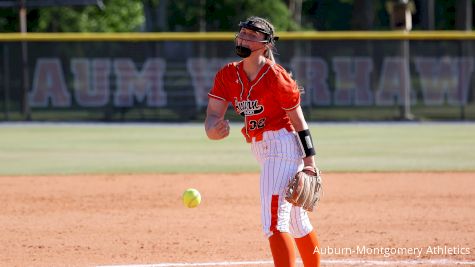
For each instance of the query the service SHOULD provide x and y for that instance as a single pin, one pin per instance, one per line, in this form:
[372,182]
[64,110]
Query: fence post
[6,81]
[401,19]
[24,54]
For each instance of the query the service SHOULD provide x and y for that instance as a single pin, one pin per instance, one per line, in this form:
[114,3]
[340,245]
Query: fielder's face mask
[251,25]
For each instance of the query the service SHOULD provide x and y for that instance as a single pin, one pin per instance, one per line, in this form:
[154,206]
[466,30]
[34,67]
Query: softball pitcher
[269,100]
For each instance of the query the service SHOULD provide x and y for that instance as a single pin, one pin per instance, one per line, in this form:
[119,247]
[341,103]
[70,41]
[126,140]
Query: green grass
[80,149]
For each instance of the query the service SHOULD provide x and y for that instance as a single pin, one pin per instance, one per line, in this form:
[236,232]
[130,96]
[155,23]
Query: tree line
[223,15]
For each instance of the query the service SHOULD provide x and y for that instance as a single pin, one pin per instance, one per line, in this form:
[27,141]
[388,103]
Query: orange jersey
[262,102]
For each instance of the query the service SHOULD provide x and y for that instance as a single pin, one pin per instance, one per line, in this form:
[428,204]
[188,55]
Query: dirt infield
[139,219]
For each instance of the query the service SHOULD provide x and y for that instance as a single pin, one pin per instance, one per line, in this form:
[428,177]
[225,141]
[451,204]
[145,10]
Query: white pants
[280,157]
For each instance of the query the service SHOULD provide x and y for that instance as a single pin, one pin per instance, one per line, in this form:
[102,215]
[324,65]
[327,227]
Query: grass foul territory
[37,149]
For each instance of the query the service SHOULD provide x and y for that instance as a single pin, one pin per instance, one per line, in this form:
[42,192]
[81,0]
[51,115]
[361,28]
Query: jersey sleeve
[218,91]
[288,94]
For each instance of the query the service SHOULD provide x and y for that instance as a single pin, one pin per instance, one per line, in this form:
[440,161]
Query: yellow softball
[191,198]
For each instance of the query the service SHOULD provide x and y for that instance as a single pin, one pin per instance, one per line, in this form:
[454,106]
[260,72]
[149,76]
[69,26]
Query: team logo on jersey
[248,107]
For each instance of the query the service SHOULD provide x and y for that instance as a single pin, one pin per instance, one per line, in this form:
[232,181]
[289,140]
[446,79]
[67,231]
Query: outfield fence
[166,76]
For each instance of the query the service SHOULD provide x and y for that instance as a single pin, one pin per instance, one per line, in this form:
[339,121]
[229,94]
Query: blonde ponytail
[269,54]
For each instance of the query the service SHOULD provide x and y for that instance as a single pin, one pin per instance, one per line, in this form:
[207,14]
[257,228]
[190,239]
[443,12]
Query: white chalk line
[355,262]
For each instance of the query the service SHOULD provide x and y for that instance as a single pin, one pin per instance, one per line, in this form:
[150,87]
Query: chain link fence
[344,79]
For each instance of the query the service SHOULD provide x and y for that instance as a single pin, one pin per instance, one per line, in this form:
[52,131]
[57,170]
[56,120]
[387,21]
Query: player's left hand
[305,188]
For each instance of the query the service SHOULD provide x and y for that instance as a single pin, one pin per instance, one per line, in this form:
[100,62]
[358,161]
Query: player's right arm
[216,127]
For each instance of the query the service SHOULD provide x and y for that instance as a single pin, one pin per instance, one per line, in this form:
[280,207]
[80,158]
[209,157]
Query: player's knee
[300,227]
[300,232]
